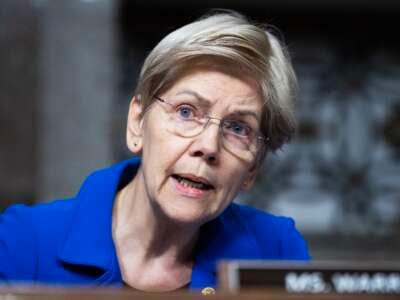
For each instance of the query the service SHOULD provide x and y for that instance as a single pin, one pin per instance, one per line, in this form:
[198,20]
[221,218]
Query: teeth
[188,183]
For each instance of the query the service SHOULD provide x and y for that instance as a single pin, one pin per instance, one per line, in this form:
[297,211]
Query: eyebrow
[206,102]
[246,113]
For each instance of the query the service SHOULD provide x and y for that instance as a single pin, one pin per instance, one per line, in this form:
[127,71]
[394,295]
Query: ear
[250,178]
[134,131]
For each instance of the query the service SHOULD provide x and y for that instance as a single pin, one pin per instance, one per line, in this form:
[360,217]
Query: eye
[185,112]
[237,127]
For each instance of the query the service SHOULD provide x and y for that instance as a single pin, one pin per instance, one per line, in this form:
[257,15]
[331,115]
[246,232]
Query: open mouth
[192,183]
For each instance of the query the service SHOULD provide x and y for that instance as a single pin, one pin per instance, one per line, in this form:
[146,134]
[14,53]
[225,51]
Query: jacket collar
[89,239]
[224,238]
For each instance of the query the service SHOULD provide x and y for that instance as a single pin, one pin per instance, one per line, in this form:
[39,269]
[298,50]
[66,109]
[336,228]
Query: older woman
[213,98]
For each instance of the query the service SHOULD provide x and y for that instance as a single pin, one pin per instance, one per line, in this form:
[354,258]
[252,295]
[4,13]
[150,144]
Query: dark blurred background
[68,70]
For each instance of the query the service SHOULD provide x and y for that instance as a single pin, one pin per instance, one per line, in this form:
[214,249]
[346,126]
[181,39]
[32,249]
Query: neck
[140,227]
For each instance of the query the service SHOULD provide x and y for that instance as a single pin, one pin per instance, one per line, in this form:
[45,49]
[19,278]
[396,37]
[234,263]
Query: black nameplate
[312,277]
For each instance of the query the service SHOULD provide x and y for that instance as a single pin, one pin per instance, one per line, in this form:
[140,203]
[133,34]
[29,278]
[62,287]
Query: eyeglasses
[186,119]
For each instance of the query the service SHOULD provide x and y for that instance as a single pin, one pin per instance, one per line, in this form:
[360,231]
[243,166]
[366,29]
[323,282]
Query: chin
[187,217]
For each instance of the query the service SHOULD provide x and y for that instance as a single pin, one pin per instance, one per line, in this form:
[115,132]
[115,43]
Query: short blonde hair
[228,41]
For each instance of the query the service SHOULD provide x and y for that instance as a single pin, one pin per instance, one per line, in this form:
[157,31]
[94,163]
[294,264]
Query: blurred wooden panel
[19,79]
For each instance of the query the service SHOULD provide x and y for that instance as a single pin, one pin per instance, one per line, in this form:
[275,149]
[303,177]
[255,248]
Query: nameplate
[311,277]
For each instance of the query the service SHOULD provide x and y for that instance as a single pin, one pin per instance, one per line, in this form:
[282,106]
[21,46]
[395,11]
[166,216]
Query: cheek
[232,183]
[161,149]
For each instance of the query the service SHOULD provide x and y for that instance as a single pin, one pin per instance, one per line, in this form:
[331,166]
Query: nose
[207,144]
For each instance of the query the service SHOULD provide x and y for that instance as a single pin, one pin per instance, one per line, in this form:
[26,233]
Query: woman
[213,98]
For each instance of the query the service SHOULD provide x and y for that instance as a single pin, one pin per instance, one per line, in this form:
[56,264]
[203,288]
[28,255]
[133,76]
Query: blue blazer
[70,241]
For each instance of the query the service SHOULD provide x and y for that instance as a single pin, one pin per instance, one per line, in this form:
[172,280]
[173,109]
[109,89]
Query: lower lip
[188,191]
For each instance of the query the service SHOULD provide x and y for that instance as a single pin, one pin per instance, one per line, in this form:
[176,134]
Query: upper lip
[195,178]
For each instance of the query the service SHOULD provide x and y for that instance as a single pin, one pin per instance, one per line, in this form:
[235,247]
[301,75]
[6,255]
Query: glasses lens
[237,139]
[242,146]
[185,127]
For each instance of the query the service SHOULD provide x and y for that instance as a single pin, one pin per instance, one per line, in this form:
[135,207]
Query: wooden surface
[28,293]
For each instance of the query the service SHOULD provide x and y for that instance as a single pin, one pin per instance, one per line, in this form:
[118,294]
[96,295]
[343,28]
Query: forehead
[219,89]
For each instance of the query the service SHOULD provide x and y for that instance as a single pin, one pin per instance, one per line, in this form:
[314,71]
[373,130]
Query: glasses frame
[262,141]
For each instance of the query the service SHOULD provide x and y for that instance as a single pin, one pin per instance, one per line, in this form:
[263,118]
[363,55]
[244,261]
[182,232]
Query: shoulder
[276,236]
[27,231]
[56,213]
[39,219]
[260,217]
